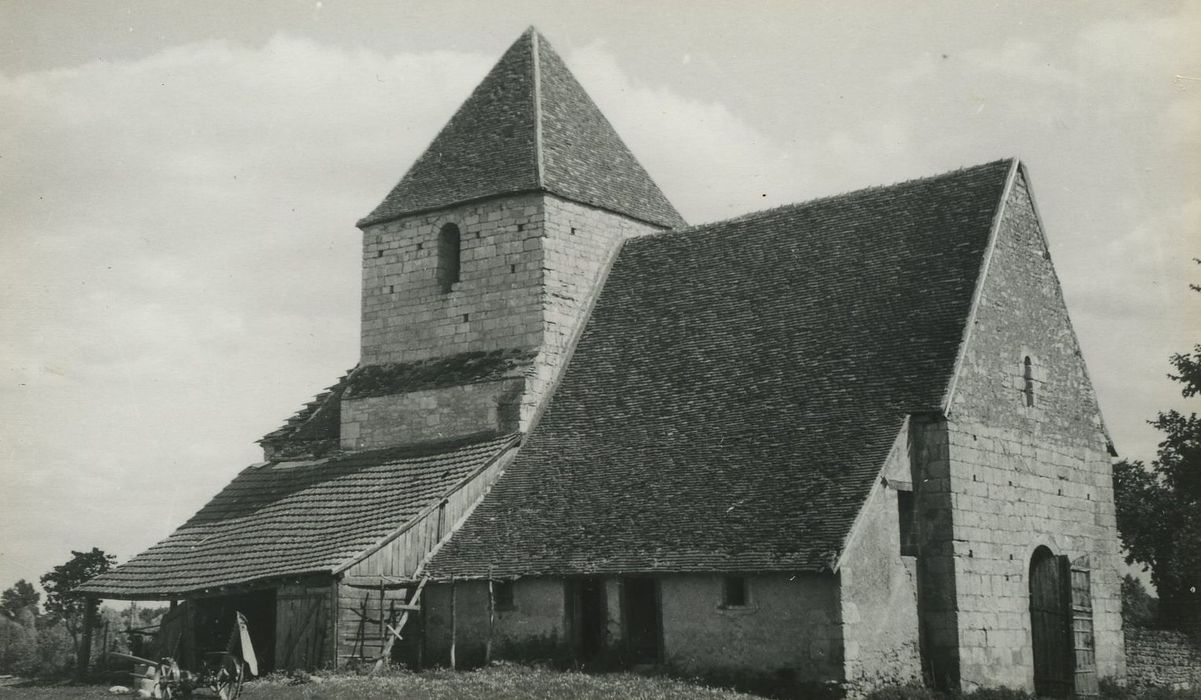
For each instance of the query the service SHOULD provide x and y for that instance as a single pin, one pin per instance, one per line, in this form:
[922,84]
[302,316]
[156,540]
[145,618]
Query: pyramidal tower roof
[529,126]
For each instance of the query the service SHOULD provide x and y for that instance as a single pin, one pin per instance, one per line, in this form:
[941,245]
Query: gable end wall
[1022,477]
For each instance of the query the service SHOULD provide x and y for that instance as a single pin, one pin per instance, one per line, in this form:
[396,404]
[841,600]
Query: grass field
[485,684]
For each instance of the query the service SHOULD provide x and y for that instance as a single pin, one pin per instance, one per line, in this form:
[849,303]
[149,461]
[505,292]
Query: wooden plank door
[1049,625]
[302,627]
[1084,655]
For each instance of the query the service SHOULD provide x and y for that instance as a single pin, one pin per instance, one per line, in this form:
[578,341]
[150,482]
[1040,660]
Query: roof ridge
[793,206]
[539,155]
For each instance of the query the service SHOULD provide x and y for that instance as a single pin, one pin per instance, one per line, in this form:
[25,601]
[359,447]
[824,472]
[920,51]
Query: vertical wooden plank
[1084,677]
[453,624]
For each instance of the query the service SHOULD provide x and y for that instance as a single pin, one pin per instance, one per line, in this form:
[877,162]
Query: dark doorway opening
[1049,626]
[215,622]
[589,616]
[643,623]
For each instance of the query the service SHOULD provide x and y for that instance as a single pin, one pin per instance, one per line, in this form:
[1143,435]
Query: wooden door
[302,627]
[1049,625]
[643,622]
[589,615]
[1084,656]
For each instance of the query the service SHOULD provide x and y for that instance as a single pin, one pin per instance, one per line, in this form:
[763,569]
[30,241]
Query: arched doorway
[1049,625]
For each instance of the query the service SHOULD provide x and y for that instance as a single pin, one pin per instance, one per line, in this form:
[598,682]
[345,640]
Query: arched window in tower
[449,249]
[1028,381]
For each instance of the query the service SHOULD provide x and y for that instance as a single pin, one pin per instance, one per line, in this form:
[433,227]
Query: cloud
[179,267]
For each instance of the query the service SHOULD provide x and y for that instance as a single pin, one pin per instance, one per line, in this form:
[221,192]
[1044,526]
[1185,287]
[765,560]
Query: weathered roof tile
[739,385]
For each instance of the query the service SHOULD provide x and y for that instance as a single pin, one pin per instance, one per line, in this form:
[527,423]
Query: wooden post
[421,642]
[383,635]
[104,647]
[453,624]
[83,655]
[491,621]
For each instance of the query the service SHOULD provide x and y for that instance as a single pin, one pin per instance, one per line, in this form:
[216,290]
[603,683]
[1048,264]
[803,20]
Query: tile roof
[434,373]
[292,518]
[738,386]
[528,126]
[315,428]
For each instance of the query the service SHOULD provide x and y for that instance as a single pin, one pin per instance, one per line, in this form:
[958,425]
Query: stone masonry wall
[790,626]
[937,596]
[531,267]
[436,414]
[1163,658]
[496,304]
[579,243]
[1020,476]
[879,588]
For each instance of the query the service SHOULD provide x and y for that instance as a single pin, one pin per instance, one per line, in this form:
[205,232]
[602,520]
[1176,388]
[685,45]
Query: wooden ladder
[392,619]
[411,606]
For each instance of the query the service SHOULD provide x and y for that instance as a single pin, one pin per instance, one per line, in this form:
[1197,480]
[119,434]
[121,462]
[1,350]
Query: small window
[1028,381]
[734,592]
[905,523]
[502,595]
[449,253]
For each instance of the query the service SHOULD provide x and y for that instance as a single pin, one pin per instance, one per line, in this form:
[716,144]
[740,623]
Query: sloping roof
[292,518]
[318,421]
[437,372]
[739,385]
[528,126]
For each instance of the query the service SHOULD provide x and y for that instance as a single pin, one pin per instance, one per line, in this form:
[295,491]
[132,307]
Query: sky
[179,182]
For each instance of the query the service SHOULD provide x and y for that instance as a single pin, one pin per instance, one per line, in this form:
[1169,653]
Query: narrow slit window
[449,254]
[905,523]
[1028,381]
[734,593]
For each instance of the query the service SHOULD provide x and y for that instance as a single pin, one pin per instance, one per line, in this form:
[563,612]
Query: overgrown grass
[499,681]
[510,681]
[1109,691]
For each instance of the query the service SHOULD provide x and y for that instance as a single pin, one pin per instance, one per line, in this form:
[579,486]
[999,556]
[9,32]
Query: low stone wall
[1163,658]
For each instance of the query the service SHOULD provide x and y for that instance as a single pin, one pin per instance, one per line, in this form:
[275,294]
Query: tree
[1138,606]
[1159,509]
[64,578]
[21,595]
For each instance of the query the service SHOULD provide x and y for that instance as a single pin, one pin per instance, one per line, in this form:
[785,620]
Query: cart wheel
[229,678]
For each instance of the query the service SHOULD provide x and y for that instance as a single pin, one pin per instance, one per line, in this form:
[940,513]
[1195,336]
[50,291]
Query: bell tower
[482,262]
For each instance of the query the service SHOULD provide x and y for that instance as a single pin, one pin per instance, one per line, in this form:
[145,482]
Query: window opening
[1028,381]
[502,595]
[734,592]
[905,523]
[449,249]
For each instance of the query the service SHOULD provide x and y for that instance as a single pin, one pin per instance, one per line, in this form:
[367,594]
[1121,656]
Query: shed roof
[739,385]
[529,126]
[293,518]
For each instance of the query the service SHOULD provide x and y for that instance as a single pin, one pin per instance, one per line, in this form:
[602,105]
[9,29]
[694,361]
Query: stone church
[846,442]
